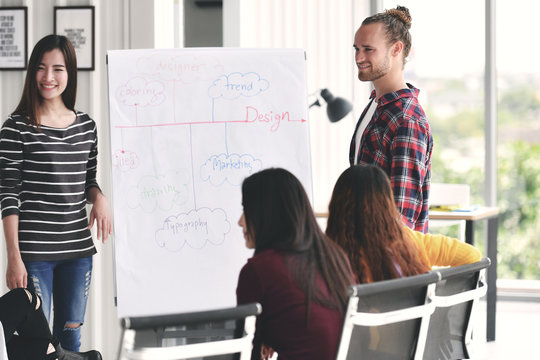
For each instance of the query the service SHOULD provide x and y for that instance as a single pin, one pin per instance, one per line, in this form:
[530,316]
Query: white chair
[204,333]
[449,196]
[457,294]
[388,319]
[3,351]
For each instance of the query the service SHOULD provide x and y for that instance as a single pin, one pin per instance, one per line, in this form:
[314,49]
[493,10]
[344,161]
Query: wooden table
[491,215]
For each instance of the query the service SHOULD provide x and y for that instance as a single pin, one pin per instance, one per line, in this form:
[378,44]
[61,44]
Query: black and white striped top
[44,175]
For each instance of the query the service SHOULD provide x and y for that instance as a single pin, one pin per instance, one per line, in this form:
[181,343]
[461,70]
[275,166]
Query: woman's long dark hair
[279,216]
[30,98]
[363,219]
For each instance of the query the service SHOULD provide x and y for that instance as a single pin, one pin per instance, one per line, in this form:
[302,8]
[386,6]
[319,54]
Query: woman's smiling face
[51,75]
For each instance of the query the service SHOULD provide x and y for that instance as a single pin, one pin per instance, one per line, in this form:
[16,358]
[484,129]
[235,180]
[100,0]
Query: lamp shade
[337,108]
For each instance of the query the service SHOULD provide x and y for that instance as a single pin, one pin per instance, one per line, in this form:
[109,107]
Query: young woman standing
[48,163]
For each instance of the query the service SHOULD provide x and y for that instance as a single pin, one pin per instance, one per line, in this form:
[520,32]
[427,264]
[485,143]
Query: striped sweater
[44,176]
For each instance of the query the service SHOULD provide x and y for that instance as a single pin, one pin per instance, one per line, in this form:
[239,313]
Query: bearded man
[393,131]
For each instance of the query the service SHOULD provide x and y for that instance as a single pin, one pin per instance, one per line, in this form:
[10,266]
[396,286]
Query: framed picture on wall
[77,24]
[13,38]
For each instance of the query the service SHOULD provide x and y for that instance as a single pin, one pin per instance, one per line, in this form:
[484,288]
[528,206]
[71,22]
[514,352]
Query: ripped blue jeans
[67,282]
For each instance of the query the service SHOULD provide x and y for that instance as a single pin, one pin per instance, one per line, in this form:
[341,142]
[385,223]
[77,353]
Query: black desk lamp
[337,107]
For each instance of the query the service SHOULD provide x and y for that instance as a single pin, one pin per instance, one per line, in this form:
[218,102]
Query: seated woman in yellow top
[365,222]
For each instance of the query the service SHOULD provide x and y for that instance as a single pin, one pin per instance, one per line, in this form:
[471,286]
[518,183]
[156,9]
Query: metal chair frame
[130,351]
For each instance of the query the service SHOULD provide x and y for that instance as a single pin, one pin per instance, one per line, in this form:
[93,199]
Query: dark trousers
[18,313]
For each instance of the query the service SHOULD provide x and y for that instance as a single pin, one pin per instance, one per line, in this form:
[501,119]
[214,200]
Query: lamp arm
[316,103]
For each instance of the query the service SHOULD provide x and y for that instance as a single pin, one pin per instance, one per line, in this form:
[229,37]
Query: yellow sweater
[437,250]
[440,250]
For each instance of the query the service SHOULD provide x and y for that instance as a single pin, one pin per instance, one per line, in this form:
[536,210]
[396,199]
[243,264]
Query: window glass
[518,80]
[447,63]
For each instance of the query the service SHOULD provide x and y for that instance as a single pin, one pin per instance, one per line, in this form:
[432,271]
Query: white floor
[517,332]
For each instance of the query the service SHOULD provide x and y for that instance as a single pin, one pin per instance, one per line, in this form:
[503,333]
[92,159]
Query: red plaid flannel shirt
[399,140]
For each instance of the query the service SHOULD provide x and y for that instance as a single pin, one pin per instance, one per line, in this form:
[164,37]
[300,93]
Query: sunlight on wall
[326,34]
[165,17]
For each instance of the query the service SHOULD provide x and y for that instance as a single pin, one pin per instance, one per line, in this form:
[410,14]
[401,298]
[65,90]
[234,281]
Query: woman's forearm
[11,232]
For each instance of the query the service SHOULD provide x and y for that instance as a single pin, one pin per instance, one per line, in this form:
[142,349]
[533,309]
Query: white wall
[324,28]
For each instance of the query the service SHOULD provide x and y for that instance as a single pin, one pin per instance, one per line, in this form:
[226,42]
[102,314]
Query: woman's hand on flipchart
[16,275]
[101,214]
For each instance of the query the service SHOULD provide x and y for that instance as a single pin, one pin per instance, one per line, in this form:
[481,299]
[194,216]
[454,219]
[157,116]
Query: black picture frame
[13,38]
[78,24]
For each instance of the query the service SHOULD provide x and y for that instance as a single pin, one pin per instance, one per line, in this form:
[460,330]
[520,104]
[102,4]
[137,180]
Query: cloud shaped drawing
[125,160]
[237,84]
[184,68]
[233,168]
[139,92]
[162,191]
[196,229]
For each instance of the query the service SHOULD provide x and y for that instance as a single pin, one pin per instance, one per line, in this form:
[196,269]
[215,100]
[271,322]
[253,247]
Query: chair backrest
[196,334]
[456,295]
[388,319]
[3,351]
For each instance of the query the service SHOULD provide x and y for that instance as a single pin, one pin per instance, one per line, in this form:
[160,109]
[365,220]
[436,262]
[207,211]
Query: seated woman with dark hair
[297,274]
[364,221]
[20,311]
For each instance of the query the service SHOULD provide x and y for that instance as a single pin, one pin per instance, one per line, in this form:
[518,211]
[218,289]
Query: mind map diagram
[155,102]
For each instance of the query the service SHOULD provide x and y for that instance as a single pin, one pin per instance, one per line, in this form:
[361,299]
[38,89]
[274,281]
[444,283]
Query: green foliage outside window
[458,158]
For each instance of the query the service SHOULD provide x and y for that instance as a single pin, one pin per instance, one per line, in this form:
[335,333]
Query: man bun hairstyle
[397,23]
[401,13]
